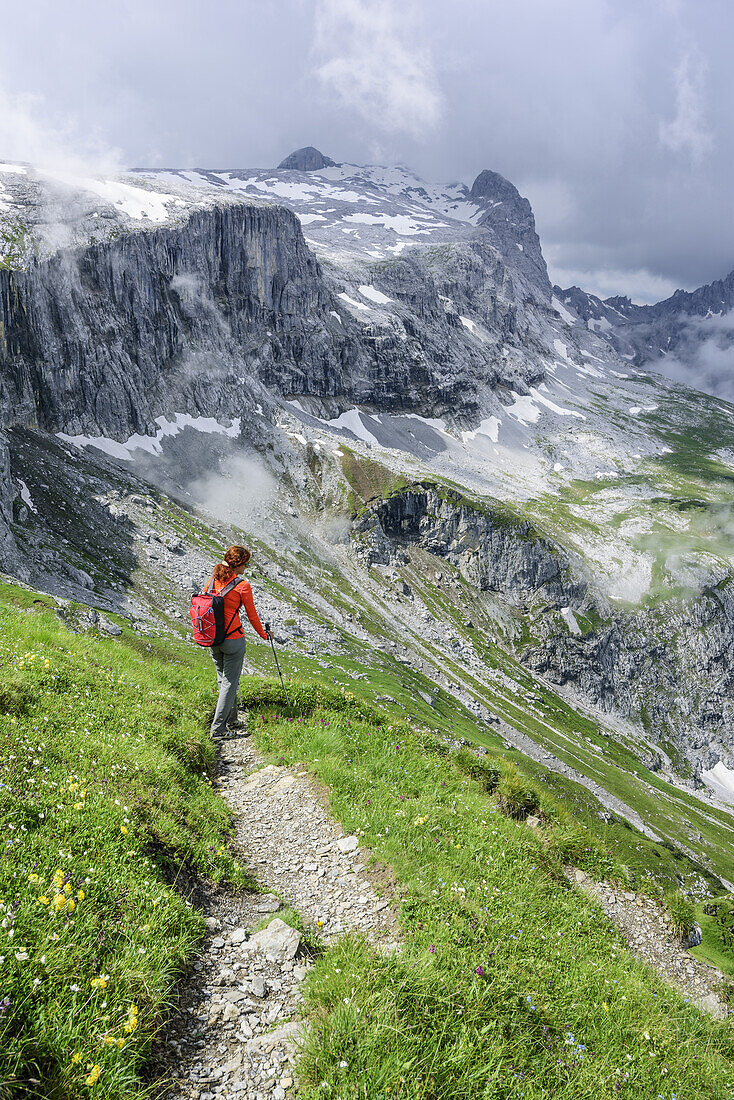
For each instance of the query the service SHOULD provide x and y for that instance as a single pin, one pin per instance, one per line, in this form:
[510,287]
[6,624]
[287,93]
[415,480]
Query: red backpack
[207,614]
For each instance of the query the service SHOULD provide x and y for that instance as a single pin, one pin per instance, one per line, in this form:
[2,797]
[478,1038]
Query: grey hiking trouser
[228,658]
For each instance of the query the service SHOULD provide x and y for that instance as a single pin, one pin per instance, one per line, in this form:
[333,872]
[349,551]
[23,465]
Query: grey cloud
[614,119]
[370,59]
[704,356]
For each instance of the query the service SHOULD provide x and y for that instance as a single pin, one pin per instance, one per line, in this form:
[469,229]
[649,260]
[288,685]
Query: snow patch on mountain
[153,443]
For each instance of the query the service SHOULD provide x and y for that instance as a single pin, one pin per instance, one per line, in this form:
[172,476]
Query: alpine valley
[466,488]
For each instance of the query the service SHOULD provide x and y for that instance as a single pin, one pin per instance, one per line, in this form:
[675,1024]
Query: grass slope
[105,808]
[510,983]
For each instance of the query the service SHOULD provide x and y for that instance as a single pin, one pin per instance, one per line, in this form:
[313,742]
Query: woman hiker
[229,656]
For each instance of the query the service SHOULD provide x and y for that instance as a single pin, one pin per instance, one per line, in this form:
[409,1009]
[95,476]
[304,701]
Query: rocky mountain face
[671,667]
[103,338]
[327,314]
[674,665]
[492,548]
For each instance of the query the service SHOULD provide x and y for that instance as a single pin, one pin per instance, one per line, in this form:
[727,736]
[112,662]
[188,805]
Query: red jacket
[241,596]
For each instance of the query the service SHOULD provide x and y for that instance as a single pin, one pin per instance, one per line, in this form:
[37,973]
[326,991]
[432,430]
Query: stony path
[236,1031]
[650,936]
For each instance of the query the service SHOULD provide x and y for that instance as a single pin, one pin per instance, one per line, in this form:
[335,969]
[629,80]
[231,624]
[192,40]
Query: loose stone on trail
[347,844]
[649,934]
[237,1032]
[278,940]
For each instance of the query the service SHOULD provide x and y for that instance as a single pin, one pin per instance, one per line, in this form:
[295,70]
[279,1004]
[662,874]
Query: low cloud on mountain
[704,357]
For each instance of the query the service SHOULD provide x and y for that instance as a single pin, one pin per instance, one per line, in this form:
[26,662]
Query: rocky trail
[236,1030]
[649,934]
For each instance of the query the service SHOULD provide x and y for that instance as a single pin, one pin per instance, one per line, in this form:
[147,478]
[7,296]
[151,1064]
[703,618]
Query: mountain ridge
[342,325]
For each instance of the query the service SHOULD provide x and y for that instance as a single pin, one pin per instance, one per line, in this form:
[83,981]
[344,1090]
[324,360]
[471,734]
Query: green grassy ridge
[533,708]
[150,706]
[510,983]
[549,719]
[652,865]
[106,810]
[556,725]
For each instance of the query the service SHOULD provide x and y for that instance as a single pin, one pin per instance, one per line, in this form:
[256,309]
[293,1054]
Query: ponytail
[235,557]
[223,573]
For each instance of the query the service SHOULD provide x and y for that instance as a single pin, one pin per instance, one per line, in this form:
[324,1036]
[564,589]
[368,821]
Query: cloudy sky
[614,118]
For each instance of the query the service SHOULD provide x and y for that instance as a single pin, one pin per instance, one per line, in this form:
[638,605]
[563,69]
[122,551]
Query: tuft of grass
[682,912]
[509,983]
[107,815]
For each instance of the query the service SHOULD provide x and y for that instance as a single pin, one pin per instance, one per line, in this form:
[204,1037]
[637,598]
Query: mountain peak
[307,159]
[491,185]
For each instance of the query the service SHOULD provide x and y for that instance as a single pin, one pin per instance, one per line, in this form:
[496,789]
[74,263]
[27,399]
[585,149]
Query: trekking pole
[277,663]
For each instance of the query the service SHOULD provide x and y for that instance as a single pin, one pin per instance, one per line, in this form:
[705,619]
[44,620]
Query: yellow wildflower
[81,896]
[78,805]
[100,982]
[94,1076]
[71,905]
[67,888]
[123,829]
[75,1058]
[59,903]
[34,879]
[119,1043]
[43,900]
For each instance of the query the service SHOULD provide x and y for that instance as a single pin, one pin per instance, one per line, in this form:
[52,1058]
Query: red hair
[235,557]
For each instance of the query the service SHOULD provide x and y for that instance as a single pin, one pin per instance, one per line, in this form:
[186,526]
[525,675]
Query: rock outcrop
[672,666]
[490,546]
[306,159]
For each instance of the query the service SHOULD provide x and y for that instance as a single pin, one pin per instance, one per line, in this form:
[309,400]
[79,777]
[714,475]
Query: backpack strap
[230,588]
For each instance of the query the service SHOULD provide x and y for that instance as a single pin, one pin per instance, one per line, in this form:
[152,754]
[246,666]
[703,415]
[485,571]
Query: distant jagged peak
[307,159]
[620,302]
